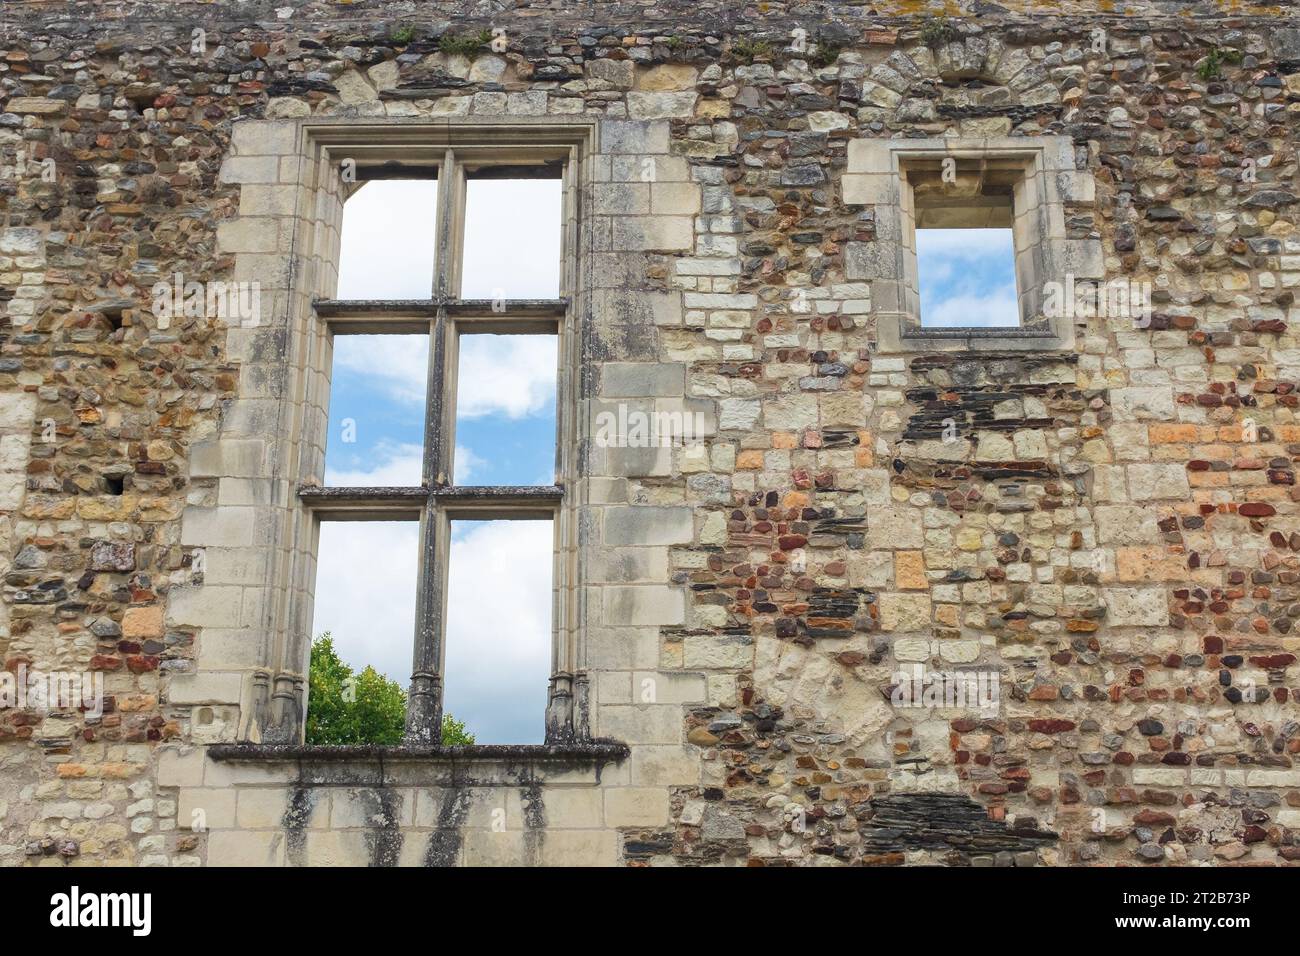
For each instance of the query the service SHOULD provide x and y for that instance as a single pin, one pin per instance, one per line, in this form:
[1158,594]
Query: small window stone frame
[877,175]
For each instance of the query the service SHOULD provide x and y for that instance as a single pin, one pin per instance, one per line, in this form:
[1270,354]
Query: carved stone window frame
[877,175]
[396,149]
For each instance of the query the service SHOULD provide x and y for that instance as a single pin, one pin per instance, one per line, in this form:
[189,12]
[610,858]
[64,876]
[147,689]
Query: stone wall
[1114,532]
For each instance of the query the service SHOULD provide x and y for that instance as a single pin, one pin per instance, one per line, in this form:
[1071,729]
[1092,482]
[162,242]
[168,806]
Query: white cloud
[996,309]
[934,271]
[466,463]
[393,465]
[512,239]
[386,248]
[511,375]
[964,243]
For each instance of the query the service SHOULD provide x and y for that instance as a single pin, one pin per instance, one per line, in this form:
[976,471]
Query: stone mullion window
[438,501]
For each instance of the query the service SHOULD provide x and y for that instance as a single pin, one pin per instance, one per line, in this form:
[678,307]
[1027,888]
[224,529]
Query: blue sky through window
[505,410]
[377,403]
[968,278]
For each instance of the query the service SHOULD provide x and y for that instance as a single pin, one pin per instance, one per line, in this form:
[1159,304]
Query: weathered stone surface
[1140,607]
[112,556]
[905,612]
[1107,531]
[660,105]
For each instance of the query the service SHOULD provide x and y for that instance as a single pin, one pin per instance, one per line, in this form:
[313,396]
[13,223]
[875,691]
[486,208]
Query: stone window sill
[595,751]
[897,334]
[506,765]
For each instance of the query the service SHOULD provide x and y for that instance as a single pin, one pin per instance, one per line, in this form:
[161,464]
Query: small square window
[963,213]
[970,232]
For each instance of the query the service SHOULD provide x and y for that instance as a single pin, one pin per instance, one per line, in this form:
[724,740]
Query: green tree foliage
[453,732]
[365,708]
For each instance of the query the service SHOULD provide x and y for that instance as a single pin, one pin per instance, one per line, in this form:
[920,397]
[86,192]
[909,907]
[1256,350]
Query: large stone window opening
[438,516]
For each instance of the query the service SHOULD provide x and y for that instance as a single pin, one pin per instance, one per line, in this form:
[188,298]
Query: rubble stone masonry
[1105,515]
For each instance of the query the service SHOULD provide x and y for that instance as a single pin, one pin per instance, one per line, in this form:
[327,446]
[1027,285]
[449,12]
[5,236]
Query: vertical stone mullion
[451,199]
[424,702]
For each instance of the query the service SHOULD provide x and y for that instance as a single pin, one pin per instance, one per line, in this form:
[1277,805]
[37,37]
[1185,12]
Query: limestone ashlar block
[221,527]
[641,723]
[644,604]
[653,233]
[214,687]
[250,169]
[620,199]
[263,138]
[636,806]
[674,199]
[246,848]
[580,848]
[647,525]
[637,138]
[205,605]
[626,307]
[642,379]
[239,458]
[200,808]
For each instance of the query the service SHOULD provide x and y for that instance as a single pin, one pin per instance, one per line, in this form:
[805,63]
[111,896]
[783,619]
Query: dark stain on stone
[956,394]
[297,814]
[530,796]
[382,808]
[445,842]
